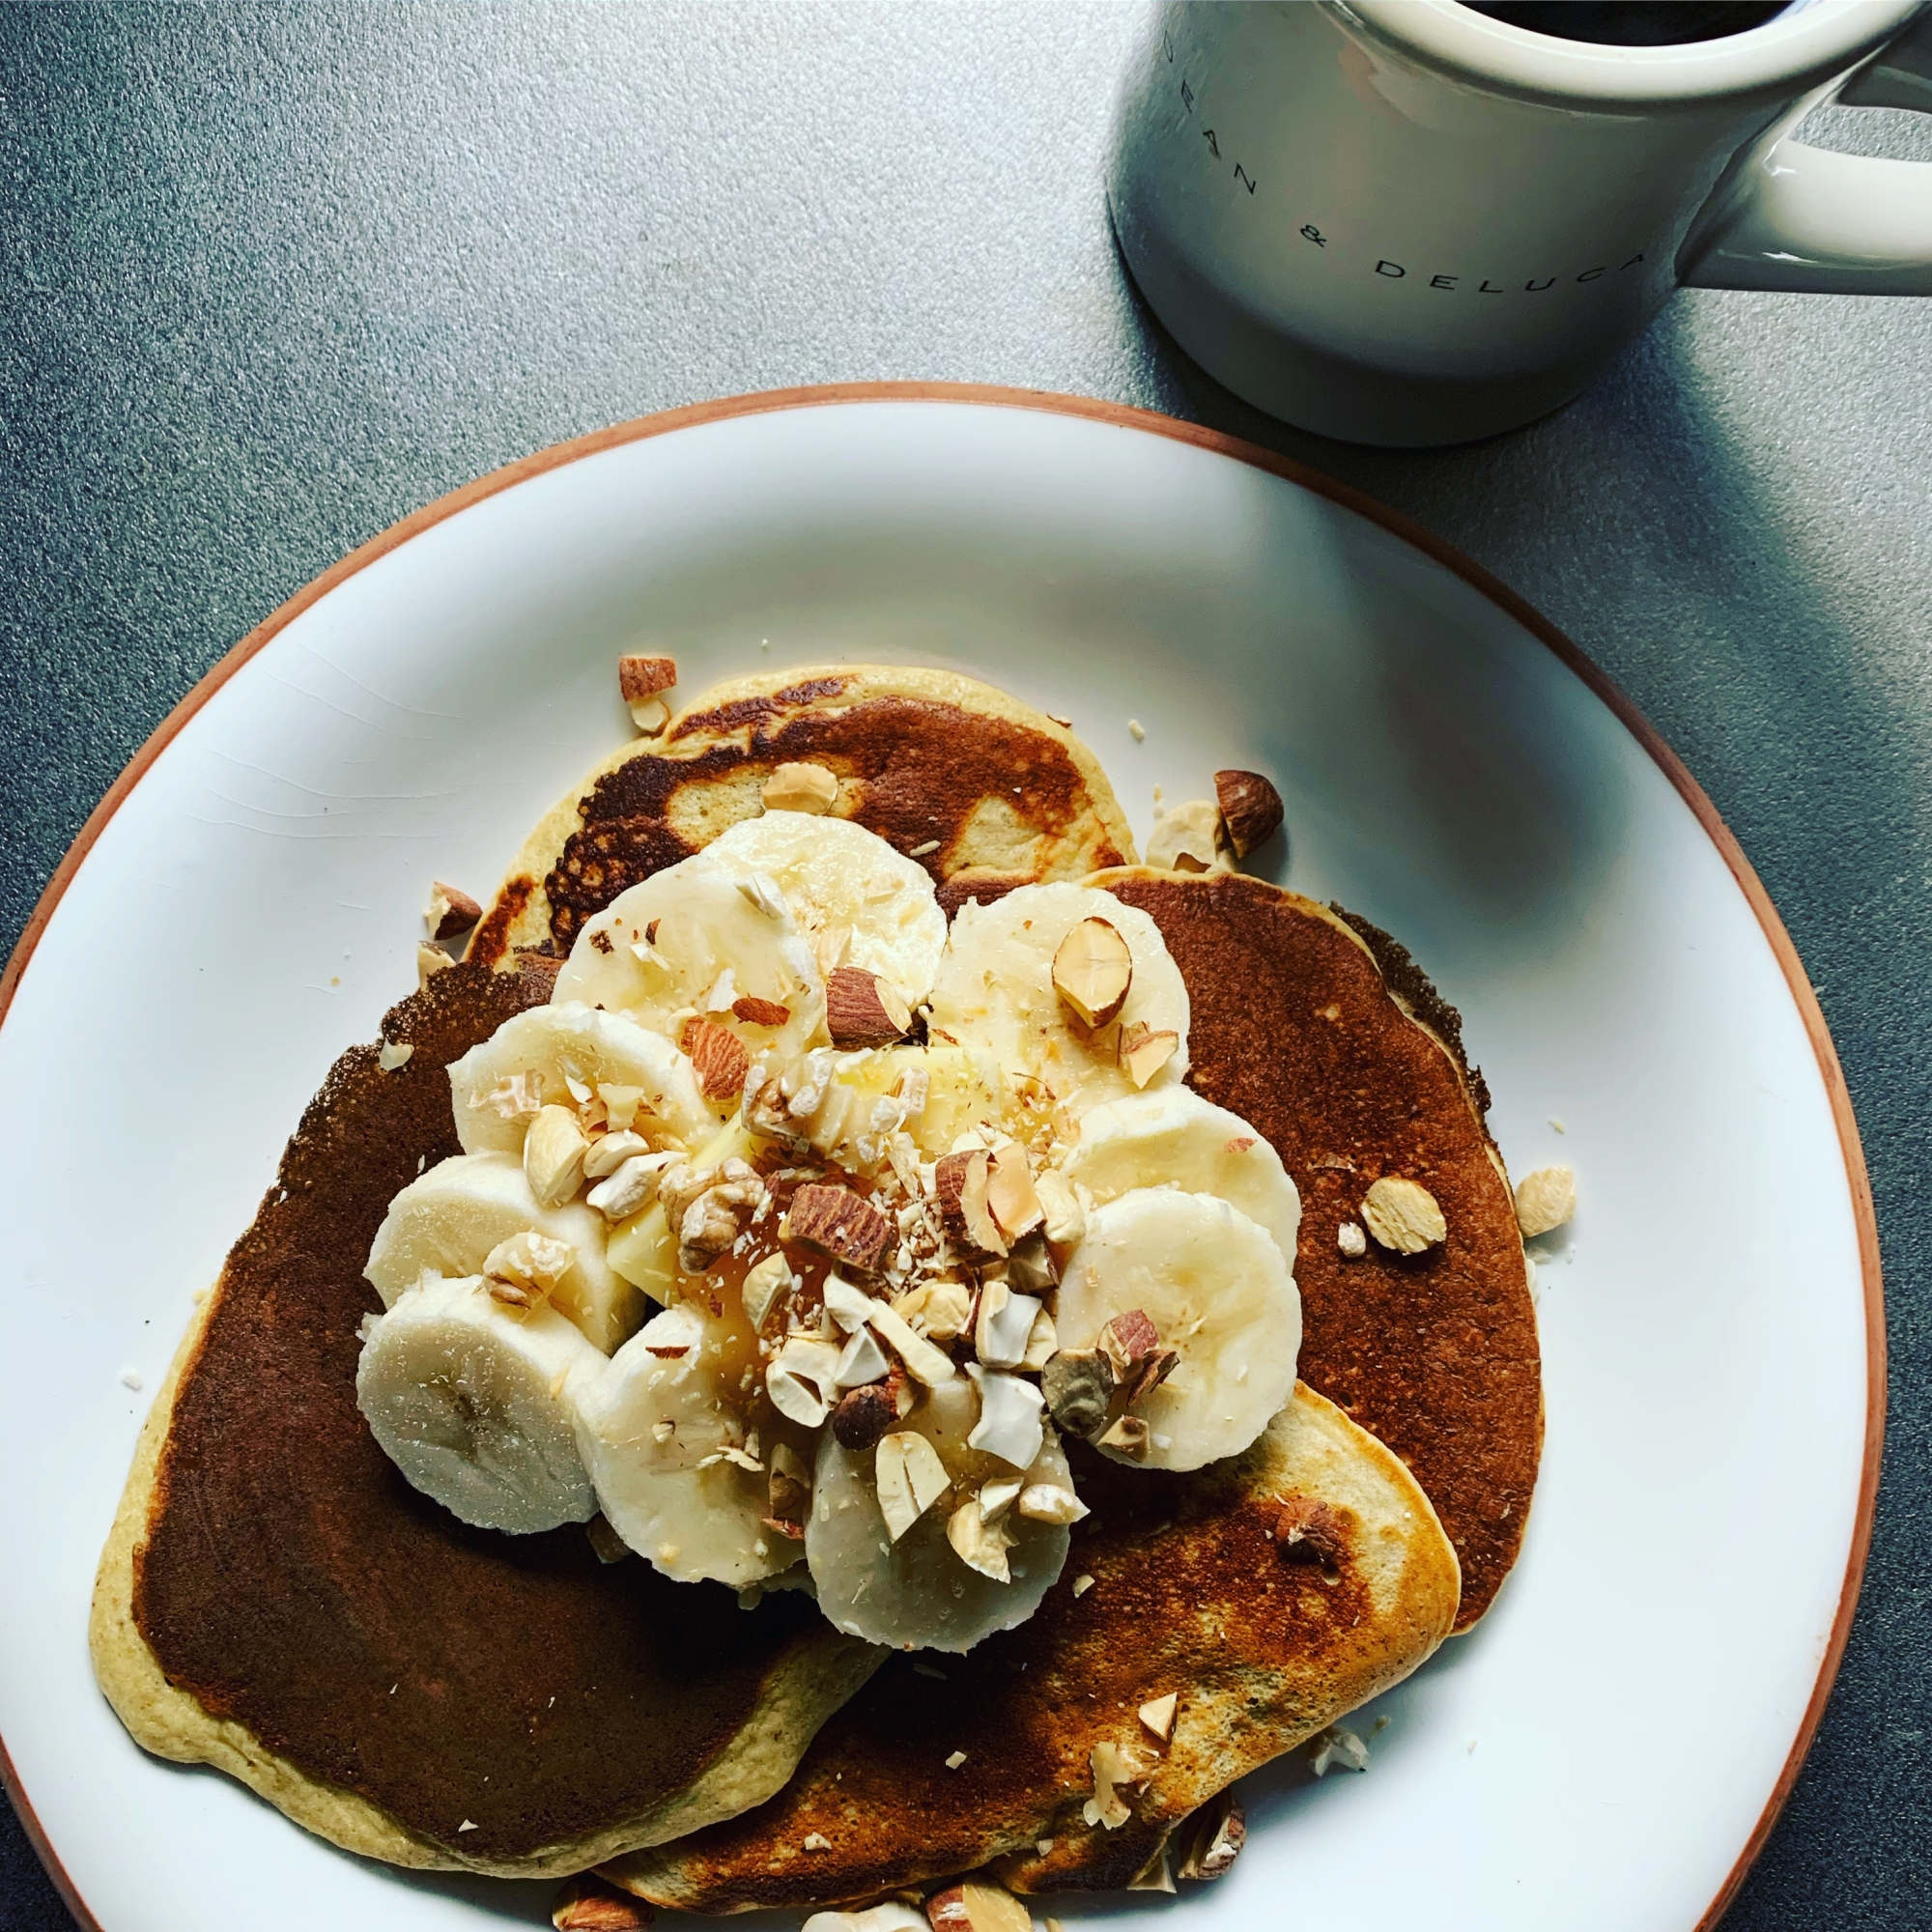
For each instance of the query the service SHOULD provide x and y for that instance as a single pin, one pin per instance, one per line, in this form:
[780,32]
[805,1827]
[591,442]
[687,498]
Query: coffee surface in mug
[1634,23]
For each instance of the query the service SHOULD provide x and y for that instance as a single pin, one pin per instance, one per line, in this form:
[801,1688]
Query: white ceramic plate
[1605,1748]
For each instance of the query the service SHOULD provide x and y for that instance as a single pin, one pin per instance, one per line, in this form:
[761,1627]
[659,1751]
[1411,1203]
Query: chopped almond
[842,1224]
[1404,1216]
[1144,1050]
[962,1183]
[1250,809]
[1158,1713]
[1010,1196]
[862,1009]
[1211,1839]
[1093,972]
[1545,1200]
[973,1907]
[719,1056]
[586,1903]
[754,1012]
[451,911]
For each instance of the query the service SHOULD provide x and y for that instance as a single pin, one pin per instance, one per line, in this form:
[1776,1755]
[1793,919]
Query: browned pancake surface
[1189,1593]
[924,768]
[293,1580]
[1293,1029]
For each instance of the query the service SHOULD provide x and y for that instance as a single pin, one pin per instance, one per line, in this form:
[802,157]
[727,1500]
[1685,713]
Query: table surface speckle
[272,277]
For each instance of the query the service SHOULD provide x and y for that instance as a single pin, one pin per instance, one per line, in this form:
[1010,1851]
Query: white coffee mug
[1406,222]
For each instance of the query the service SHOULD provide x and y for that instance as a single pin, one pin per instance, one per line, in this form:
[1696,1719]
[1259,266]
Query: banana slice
[678,1450]
[995,991]
[694,938]
[561,1044]
[477,1405]
[850,1102]
[1216,1288]
[448,1219]
[918,1591]
[856,900]
[1171,1136]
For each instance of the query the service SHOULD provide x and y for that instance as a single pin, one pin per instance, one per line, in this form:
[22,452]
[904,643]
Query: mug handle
[1810,221]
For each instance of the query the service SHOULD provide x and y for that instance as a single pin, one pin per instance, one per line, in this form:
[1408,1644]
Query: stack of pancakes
[276,1600]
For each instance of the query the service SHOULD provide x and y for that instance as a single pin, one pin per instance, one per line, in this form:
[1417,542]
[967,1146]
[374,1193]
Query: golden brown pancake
[1192,1593]
[276,1601]
[1344,1065]
[984,791]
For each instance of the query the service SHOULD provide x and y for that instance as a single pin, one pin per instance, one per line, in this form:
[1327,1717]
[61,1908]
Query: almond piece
[1010,1196]
[1127,1340]
[788,1493]
[1157,1714]
[960,1182]
[1545,1200]
[587,1904]
[538,971]
[939,1309]
[430,962]
[450,911]
[1128,1435]
[1404,1216]
[641,683]
[1307,1532]
[1093,972]
[1186,839]
[801,787]
[910,1478]
[532,1263]
[754,1012]
[1143,1051]
[719,1056]
[1111,1767]
[1250,809]
[1050,1503]
[554,1151]
[978,1544]
[973,1907]
[862,1009]
[842,1224]
[1210,1839]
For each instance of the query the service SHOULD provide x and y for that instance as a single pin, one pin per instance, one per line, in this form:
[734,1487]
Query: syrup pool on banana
[799,1231]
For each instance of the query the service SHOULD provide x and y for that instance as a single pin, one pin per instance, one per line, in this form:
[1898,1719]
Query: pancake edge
[804,1687]
[519,913]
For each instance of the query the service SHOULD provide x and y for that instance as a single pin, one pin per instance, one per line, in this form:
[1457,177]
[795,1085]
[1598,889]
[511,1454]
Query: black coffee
[1633,24]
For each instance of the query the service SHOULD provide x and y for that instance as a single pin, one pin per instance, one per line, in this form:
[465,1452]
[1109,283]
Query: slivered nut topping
[979,1544]
[1404,1216]
[1127,1340]
[788,1493]
[641,682]
[862,1009]
[1210,1839]
[910,1477]
[554,1151]
[801,787]
[1545,1200]
[1157,1715]
[1250,809]
[719,1056]
[973,1907]
[1144,1050]
[450,911]
[587,1904]
[1185,839]
[842,1224]
[1112,1768]
[1093,972]
[1078,1385]
[961,1183]
[1010,1196]
[754,1012]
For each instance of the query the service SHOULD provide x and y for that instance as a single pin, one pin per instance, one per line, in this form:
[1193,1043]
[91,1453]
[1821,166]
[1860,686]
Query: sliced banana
[916,1591]
[995,991]
[1169,1136]
[672,1442]
[448,1219]
[561,1044]
[1215,1285]
[856,900]
[849,1102]
[694,938]
[477,1405]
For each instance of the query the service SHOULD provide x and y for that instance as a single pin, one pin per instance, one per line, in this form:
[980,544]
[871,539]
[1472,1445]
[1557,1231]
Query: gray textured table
[272,277]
